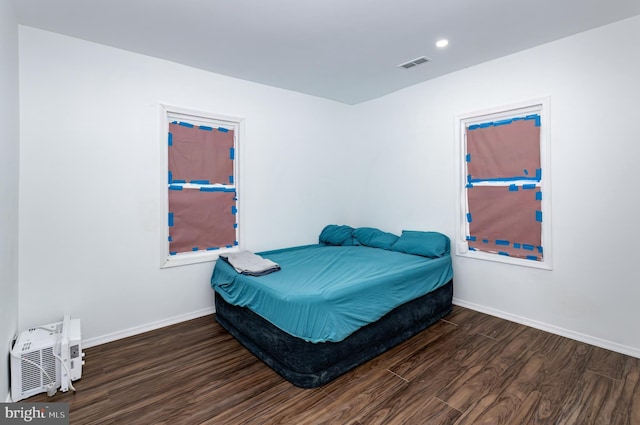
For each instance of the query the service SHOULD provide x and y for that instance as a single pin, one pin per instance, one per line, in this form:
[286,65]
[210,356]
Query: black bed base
[310,365]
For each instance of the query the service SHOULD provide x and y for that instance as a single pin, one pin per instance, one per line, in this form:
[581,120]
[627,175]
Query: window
[503,158]
[200,186]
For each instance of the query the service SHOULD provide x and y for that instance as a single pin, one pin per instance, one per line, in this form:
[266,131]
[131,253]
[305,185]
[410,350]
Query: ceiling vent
[414,62]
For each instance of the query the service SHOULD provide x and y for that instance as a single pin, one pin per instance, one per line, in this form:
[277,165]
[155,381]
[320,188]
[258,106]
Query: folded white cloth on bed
[246,262]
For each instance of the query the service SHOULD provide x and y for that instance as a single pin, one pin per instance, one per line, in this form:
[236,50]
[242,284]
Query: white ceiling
[345,50]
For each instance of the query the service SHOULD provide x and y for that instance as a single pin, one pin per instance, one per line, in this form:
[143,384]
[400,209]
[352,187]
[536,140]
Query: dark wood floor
[470,368]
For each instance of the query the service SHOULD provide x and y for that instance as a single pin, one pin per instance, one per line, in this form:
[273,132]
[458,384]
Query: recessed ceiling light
[442,43]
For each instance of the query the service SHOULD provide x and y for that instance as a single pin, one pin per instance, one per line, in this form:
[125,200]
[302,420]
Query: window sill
[462,250]
[183,259]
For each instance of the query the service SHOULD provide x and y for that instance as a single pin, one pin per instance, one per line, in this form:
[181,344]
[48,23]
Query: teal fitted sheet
[325,293]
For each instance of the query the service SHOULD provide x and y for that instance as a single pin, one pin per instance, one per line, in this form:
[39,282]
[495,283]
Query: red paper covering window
[503,187]
[200,154]
[202,195]
[201,220]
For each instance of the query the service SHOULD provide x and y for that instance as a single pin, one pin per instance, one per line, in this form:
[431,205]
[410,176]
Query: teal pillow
[369,236]
[333,234]
[426,244]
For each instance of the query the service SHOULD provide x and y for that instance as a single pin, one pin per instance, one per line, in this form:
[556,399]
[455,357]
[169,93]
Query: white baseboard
[598,342]
[92,342]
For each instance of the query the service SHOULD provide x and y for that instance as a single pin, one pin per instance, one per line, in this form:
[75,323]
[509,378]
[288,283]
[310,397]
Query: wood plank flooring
[469,368]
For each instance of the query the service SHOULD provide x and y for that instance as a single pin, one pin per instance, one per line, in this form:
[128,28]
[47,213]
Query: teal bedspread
[324,293]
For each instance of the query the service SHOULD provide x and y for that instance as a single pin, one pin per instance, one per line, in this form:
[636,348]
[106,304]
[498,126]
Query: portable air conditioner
[46,358]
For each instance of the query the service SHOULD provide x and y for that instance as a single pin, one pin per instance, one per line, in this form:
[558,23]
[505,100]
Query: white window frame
[169,113]
[462,121]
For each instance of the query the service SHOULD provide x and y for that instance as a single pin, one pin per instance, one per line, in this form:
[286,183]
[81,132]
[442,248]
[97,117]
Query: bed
[334,305]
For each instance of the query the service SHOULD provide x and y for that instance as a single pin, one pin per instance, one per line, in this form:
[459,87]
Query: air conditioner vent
[414,62]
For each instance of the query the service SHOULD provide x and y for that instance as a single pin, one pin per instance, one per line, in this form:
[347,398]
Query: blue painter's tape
[170,139]
[472,249]
[517,245]
[538,174]
[538,123]
[469,219]
[230,179]
[532,257]
[538,196]
[211,189]
[205,128]
[234,210]
[213,248]
[170,177]
[528,186]
[223,130]
[174,122]
[235,225]
[468,157]
[178,181]
[229,246]
[502,122]
[473,127]
[170,239]
[232,153]
[535,117]
[194,249]
[540,249]
[235,243]
[506,254]
[526,172]
[199,181]
[528,247]
[502,242]
[175,187]
[170,219]
[502,179]
[471,238]
[173,253]
[485,241]
[513,188]
[539,216]
[486,124]
[217,189]
[186,124]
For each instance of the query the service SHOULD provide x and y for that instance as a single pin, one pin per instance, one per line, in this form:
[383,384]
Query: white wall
[593,292]
[9,160]
[90,195]
[89,223]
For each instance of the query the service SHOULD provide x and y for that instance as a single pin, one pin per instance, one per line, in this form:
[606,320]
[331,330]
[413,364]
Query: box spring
[310,365]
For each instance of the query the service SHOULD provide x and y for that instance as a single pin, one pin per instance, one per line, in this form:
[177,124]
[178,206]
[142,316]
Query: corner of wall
[9,172]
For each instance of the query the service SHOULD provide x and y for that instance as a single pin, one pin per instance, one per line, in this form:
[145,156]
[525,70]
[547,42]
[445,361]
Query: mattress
[310,365]
[325,293]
